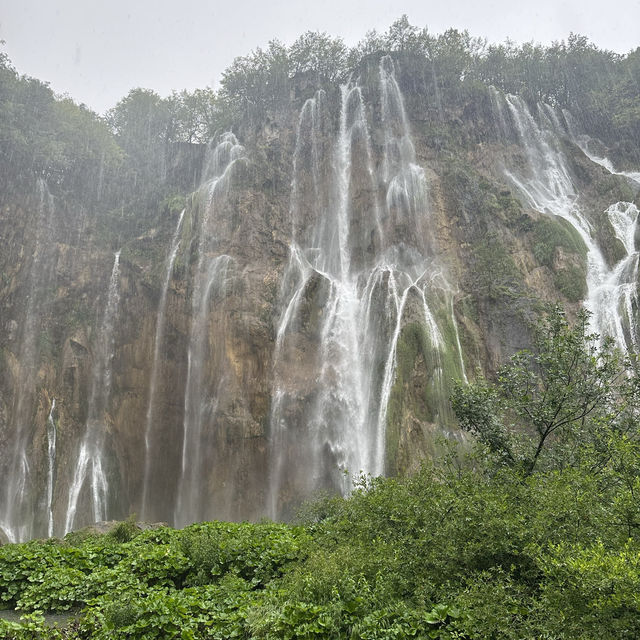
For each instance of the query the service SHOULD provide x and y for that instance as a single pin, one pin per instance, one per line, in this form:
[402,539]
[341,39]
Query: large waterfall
[52,437]
[21,495]
[297,320]
[153,451]
[360,264]
[210,281]
[613,293]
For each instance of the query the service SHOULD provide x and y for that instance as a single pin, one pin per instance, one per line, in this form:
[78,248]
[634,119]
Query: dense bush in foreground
[534,535]
[445,554]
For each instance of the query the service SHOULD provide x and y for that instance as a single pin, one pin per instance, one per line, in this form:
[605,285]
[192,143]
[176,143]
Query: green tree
[556,405]
[320,54]
[196,115]
[256,83]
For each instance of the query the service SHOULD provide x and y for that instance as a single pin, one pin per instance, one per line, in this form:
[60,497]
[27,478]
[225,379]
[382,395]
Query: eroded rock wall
[501,261]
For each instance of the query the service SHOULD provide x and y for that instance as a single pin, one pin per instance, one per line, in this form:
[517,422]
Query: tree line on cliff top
[45,135]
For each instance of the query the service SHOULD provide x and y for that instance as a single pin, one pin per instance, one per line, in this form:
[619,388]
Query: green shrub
[125,531]
[256,553]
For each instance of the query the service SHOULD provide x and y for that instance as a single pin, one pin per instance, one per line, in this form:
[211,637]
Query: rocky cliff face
[302,318]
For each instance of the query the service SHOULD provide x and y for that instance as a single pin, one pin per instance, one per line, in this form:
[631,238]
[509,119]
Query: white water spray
[151,456]
[359,268]
[611,295]
[90,473]
[18,508]
[210,283]
[51,465]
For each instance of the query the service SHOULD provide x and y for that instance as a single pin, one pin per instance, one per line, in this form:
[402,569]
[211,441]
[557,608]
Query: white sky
[97,51]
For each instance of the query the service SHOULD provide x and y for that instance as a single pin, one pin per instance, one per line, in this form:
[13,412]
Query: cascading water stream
[608,165]
[611,294]
[152,456]
[613,300]
[362,264]
[210,282]
[51,465]
[90,473]
[584,142]
[18,508]
[456,332]
[389,369]
[406,197]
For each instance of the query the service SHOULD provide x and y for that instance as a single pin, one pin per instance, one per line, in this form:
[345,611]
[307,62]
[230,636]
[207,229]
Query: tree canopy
[52,137]
[559,404]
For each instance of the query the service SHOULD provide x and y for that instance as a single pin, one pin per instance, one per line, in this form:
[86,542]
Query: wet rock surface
[367,261]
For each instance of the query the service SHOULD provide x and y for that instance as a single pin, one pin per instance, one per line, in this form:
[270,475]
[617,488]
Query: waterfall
[585,143]
[456,332]
[90,470]
[210,283]
[152,452]
[51,465]
[406,196]
[613,299]
[611,295]
[608,165]
[345,293]
[18,508]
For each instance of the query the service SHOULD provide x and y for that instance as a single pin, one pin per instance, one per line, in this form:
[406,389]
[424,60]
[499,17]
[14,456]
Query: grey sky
[97,51]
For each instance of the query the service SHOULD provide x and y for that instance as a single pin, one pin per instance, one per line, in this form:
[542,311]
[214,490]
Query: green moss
[613,187]
[45,344]
[612,248]
[407,350]
[423,380]
[549,234]
[78,314]
[571,282]
[494,274]
[510,204]
[469,308]
[173,204]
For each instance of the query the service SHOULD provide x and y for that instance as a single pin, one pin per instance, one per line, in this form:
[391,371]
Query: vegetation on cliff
[135,148]
[535,535]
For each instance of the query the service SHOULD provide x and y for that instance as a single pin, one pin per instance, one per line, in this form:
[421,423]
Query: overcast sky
[97,51]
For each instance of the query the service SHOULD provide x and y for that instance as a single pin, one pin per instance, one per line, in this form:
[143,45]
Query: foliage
[551,234]
[31,625]
[452,552]
[555,404]
[132,156]
[319,54]
[256,554]
[55,139]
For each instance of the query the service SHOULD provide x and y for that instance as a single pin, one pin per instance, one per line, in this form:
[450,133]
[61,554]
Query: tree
[556,405]
[320,54]
[402,35]
[196,115]
[257,82]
